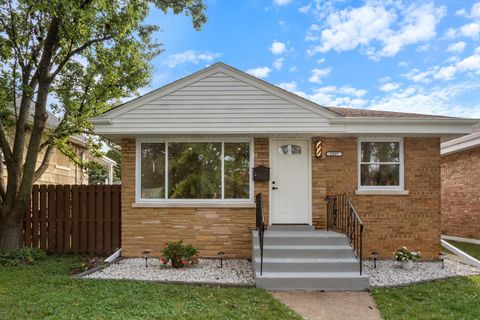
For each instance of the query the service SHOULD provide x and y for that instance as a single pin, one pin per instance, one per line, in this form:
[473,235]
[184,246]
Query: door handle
[274,188]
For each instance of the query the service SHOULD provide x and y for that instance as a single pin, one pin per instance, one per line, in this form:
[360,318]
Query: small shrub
[179,255]
[403,254]
[22,256]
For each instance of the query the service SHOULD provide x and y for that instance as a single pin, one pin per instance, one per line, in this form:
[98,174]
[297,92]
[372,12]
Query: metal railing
[342,217]
[260,223]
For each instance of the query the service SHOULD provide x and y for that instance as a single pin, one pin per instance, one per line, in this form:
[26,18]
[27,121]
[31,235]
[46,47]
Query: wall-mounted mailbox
[261,173]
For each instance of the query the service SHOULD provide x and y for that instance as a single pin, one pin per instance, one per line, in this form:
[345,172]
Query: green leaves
[101,56]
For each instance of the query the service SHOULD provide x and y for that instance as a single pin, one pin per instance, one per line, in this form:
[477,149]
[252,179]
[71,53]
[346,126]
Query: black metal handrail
[260,223]
[342,217]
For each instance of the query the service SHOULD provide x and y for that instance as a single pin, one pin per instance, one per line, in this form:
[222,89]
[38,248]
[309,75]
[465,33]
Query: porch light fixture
[318,149]
[442,256]
[375,256]
[221,255]
[146,255]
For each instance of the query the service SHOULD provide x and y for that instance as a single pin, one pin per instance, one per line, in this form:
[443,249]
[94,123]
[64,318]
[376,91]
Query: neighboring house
[61,169]
[461,186]
[188,153]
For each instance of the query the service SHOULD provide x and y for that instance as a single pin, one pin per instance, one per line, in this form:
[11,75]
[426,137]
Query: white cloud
[378,28]
[189,56]
[471,30]
[438,100]
[294,68]
[389,86]
[278,63]
[278,47]
[457,47]
[345,96]
[474,12]
[319,74]
[417,76]
[289,86]
[260,72]
[469,64]
[305,9]
[282,2]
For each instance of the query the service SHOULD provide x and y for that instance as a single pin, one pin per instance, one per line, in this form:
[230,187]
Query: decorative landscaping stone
[390,273]
[234,272]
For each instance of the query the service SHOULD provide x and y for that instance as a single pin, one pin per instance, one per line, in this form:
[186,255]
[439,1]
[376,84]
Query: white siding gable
[218,102]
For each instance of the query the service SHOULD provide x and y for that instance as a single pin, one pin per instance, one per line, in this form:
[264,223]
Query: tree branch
[7,151]
[76,51]
[44,165]
[3,191]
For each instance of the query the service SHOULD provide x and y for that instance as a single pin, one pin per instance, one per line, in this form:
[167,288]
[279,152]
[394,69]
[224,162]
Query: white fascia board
[460,144]
[407,121]
[407,126]
[106,130]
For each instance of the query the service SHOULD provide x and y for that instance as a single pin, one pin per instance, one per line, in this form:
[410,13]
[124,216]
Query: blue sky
[410,56]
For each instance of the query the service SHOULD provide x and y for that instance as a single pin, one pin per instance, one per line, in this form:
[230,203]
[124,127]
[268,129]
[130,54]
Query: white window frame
[140,202]
[380,189]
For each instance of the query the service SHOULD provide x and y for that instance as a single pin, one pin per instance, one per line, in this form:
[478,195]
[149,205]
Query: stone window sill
[382,192]
[192,205]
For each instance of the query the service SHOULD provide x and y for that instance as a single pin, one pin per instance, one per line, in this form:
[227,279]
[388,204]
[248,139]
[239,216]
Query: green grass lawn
[469,248]
[455,298]
[46,291]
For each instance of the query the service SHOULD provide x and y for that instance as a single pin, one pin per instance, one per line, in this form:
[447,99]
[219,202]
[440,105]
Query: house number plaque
[334,154]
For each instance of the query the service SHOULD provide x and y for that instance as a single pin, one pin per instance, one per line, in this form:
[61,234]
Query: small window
[380,164]
[288,149]
[152,170]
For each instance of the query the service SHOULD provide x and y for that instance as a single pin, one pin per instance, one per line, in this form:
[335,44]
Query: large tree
[79,56]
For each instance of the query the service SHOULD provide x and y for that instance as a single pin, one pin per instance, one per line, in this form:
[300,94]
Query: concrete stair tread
[306,260]
[328,275]
[293,234]
[303,247]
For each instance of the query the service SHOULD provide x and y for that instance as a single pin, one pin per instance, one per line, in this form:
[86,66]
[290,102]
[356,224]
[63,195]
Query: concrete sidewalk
[331,305]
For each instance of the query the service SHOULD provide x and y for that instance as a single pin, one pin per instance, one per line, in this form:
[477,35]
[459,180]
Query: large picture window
[194,170]
[380,164]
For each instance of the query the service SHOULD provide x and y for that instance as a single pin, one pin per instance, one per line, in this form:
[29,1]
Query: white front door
[289,182]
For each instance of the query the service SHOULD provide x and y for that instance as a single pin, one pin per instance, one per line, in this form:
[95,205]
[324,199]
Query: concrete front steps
[300,258]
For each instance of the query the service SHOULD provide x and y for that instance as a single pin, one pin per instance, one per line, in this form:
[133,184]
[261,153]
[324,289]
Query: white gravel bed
[234,271]
[389,273]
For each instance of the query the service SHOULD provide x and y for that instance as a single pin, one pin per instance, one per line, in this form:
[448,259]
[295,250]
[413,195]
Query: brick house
[190,150]
[461,186]
[61,168]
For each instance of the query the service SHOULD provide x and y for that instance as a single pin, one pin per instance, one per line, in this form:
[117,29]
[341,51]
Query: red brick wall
[209,229]
[461,194]
[392,221]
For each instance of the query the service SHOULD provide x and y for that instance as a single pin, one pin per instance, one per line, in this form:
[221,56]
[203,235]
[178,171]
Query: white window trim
[381,190]
[139,202]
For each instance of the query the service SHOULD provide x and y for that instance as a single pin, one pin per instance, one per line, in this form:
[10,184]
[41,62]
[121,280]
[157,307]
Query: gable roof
[218,67]
[368,113]
[221,100]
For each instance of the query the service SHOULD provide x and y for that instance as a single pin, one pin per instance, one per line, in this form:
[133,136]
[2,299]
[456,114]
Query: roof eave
[384,120]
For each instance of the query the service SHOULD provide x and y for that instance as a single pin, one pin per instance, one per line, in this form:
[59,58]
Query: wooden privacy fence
[83,219]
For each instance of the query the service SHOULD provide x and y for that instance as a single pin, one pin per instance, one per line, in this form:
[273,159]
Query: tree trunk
[11,230]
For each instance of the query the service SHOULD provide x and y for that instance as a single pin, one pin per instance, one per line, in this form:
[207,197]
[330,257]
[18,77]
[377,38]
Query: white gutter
[114,256]
[459,144]
[458,252]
